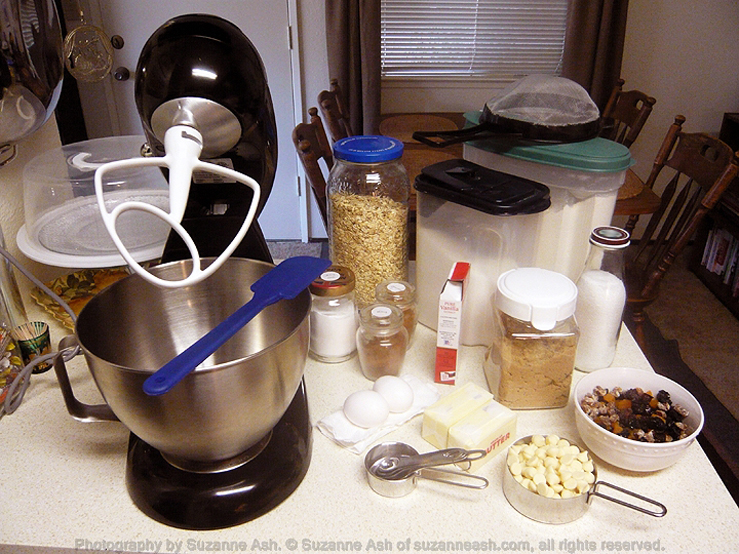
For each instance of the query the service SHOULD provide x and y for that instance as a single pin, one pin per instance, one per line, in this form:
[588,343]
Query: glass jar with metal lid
[530,361]
[381,340]
[333,317]
[601,298]
[403,295]
[368,191]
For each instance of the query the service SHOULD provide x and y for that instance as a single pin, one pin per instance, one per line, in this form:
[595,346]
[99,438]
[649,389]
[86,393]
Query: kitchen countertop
[63,486]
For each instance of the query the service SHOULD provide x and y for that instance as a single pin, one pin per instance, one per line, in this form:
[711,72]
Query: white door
[266,23]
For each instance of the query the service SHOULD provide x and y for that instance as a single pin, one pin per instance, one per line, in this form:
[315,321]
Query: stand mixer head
[202,94]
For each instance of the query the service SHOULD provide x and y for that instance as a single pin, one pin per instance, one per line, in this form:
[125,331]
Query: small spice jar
[333,317]
[368,191]
[381,340]
[403,295]
[530,361]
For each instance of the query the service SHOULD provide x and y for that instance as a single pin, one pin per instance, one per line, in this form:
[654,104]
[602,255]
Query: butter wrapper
[440,416]
[490,427]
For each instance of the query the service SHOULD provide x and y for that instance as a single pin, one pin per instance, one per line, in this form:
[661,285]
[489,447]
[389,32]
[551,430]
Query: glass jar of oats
[368,191]
[530,361]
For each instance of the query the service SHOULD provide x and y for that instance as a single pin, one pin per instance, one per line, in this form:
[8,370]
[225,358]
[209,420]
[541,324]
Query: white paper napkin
[339,429]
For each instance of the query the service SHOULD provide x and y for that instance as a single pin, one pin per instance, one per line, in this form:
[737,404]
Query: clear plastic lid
[539,296]
[381,317]
[395,292]
[63,226]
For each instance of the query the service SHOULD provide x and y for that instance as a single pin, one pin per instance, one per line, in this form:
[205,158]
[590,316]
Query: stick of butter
[439,417]
[491,427]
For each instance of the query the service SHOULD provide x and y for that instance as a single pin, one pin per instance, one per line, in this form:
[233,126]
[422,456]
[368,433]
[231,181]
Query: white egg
[396,391]
[366,408]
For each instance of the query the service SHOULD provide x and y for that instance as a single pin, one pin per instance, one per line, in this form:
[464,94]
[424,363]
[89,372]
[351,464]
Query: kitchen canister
[381,340]
[470,213]
[368,191]
[601,298]
[583,178]
[333,316]
[403,295]
[530,361]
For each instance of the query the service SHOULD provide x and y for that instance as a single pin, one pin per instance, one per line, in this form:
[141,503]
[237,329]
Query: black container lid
[493,192]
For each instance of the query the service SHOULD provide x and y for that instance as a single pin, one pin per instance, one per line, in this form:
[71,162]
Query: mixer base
[200,501]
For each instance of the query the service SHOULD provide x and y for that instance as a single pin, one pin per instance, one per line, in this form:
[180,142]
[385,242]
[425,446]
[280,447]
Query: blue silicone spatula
[286,280]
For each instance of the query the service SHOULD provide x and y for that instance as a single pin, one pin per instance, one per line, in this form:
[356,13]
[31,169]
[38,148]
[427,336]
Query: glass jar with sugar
[333,317]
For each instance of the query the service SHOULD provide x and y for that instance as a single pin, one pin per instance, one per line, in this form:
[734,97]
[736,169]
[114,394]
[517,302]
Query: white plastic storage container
[479,216]
[583,179]
[63,226]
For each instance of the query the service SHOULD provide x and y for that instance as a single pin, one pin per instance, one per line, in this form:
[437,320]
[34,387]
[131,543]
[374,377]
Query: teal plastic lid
[368,149]
[598,155]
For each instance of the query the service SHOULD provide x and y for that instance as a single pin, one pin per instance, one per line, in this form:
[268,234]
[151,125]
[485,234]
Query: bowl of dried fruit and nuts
[635,419]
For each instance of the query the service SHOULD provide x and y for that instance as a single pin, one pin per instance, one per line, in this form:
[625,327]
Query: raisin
[663,397]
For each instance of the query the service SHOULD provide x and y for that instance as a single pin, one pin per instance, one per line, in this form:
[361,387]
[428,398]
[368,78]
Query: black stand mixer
[202,71]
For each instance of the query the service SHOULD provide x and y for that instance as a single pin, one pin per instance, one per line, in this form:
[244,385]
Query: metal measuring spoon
[399,466]
[405,482]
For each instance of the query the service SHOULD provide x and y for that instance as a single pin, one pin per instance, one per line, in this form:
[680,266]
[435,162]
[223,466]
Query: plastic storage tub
[63,226]
[457,222]
[583,179]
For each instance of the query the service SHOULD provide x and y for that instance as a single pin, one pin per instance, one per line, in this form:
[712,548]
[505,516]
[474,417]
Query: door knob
[121,74]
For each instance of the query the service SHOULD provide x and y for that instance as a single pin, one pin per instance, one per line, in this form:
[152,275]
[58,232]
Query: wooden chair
[622,120]
[702,167]
[335,112]
[625,114]
[312,146]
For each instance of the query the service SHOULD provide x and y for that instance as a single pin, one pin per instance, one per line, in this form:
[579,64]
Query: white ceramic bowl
[627,453]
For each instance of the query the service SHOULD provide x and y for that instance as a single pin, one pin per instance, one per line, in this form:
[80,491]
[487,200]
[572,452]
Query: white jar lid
[539,296]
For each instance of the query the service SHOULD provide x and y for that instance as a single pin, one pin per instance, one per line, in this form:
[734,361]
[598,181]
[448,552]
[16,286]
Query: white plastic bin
[583,179]
[450,232]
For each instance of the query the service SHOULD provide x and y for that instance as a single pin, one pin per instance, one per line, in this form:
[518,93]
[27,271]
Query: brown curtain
[594,45]
[353,45]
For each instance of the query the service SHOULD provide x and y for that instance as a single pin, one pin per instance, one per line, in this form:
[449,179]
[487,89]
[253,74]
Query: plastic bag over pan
[537,108]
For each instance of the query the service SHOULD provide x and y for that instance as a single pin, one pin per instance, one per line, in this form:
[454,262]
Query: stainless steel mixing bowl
[234,398]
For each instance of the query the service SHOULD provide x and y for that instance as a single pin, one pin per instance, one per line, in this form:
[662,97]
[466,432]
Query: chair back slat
[312,146]
[334,111]
[625,114]
[701,167]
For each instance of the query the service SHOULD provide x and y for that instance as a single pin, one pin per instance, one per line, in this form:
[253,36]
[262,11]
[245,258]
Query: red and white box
[450,323]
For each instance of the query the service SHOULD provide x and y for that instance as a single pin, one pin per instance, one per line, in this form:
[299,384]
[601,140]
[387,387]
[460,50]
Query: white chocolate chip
[551,466]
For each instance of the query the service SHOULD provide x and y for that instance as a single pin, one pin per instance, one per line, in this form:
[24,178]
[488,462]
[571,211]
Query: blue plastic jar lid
[368,149]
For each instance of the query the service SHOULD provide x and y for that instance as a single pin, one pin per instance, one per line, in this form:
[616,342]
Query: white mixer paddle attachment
[183,145]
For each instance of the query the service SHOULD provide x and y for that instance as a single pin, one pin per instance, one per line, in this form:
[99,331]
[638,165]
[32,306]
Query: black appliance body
[203,68]
[202,71]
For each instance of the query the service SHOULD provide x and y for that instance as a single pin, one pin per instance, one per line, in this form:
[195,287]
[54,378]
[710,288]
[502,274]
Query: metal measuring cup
[564,510]
[393,468]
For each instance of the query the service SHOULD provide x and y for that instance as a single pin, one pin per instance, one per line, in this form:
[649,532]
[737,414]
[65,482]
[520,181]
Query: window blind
[480,39]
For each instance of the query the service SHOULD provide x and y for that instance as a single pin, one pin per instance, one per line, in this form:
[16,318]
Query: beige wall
[11,197]
[684,55]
